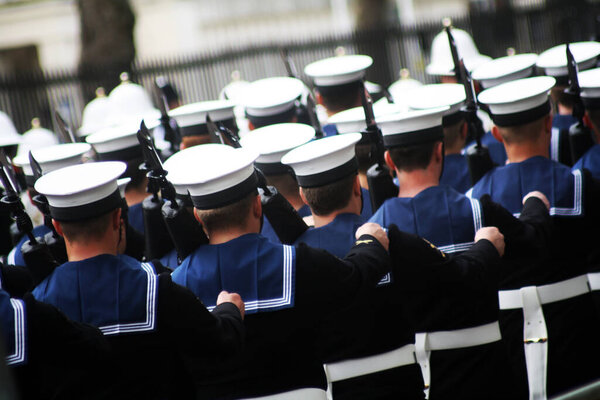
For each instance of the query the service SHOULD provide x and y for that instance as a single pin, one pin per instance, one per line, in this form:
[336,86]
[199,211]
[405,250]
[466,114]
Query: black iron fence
[526,25]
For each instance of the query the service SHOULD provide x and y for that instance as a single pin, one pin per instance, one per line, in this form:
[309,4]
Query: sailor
[94,115]
[441,64]
[494,72]
[271,143]
[337,83]
[120,143]
[455,171]
[555,282]
[272,101]
[589,81]
[191,120]
[327,173]
[449,220]
[288,290]
[49,356]
[151,323]
[553,62]
[36,138]
[50,158]
[353,120]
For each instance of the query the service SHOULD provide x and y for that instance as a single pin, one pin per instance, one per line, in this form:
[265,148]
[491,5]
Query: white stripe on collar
[19,314]
[554,147]
[151,295]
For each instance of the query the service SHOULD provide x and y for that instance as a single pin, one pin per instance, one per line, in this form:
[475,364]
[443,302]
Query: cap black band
[202,129]
[451,119]
[333,89]
[414,137]
[86,211]
[227,196]
[274,168]
[323,178]
[128,154]
[185,199]
[279,118]
[522,117]
[591,103]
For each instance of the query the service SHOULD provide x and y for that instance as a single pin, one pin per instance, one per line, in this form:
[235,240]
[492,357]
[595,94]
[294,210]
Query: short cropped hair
[452,134]
[229,216]
[324,200]
[138,177]
[522,133]
[413,157]
[87,230]
[195,140]
[285,184]
[341,97]
[558,95]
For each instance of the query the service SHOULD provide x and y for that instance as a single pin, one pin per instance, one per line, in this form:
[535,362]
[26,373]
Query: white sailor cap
[178,163]
[273,141]
[518,102]
[215,175]
[191,118]
[119,143]
[8,133]
[272,97]
[325,160]
[353,119]
[52,158]
[337,71]
[505,69]
[412,127]
[553,62]
[441,62]
[36,138]
[130,101]
[95,114]
[589,82]
[440,95]
[122,184]
[402,90]
[82,191]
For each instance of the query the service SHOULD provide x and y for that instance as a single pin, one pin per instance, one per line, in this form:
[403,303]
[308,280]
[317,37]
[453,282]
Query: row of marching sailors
[449,298]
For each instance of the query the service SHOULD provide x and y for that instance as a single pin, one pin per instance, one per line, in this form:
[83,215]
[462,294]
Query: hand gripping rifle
[285,220]
[308,110]
[35,252]
[55,242]
[478,155]
[171,134]
[580,136]
[381,183]
[184,231]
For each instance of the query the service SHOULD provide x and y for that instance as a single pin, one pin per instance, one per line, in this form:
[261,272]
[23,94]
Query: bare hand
[492,234]
[226,297]
[375,230]
[539,195]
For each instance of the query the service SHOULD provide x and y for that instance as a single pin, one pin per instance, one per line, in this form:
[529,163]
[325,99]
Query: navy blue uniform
[15,257]
[590,161]
[268,231]
[574,197]
[135,217]
[456,173]
[560,147]
[151,323]
[497,151]
[288,291]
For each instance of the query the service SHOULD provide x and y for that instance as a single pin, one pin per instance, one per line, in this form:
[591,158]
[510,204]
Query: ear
[251,126]
[318,97]
[548,123]
[57,227]
[257,207]
[389,161]
[438,152]
[302,196]
[587,121]
[496,134]
[116,219]
[356,189]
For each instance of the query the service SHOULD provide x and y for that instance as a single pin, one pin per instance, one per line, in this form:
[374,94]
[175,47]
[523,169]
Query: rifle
[183,230]
[55,242]
[580,136]
[307,111]
[65,131]
[381,183]
[171,135]
[285,220]
[478,155]
[35,252]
